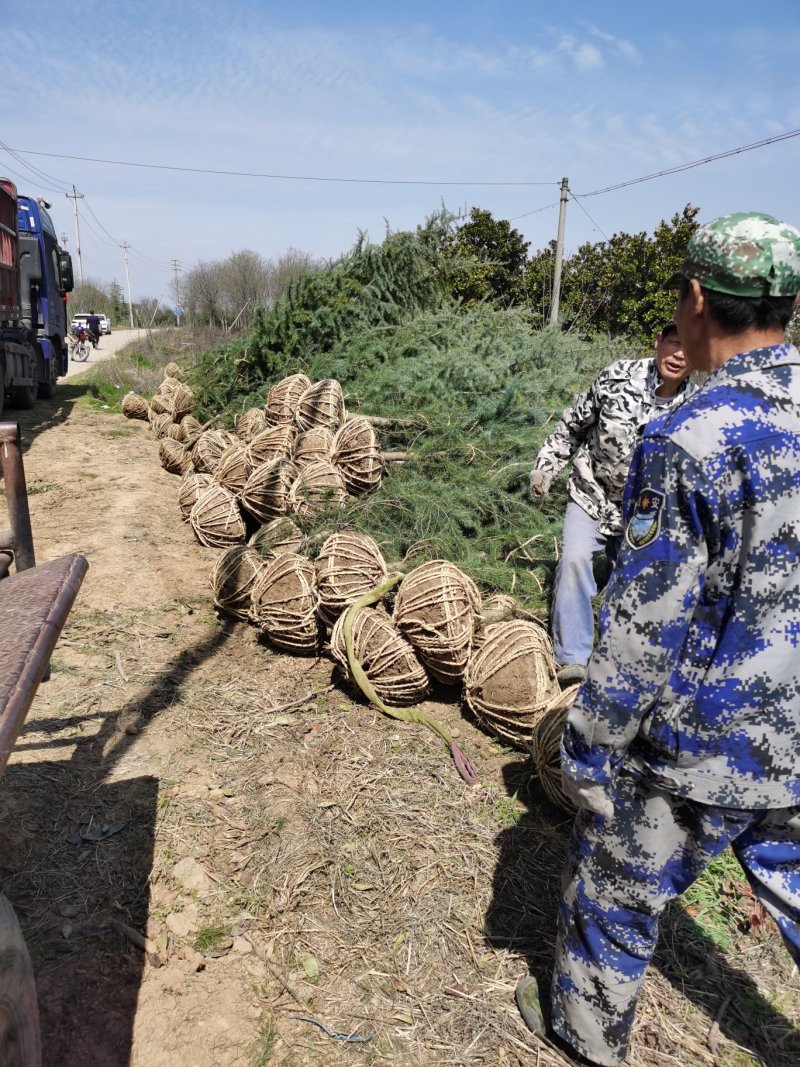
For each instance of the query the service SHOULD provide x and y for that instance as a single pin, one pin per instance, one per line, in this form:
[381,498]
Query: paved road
[109,344]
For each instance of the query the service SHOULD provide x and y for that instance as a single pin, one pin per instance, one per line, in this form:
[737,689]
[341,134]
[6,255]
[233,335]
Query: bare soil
[288,859]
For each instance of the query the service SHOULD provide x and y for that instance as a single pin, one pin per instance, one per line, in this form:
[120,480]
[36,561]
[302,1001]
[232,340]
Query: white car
[105,324]
[83,320]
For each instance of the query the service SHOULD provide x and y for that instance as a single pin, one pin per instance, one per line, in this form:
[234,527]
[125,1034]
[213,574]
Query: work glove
[539,482]
[588,795]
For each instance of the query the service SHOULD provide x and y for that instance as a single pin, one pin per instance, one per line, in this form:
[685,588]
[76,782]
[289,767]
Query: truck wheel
[24,398]
[20,1042]
[47,390]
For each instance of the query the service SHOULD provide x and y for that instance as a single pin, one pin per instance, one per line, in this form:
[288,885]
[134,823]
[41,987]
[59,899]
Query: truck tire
[24,398]
[47,389]
[20,1041]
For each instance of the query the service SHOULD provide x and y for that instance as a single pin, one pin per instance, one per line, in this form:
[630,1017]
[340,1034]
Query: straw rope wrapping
[283,398]
[216,519]
[357,453]
[349,564]
[134,406]
[312,445]
[190,490]
[250,423]
[208,449]
[175,431]
[181,401]
[159,405]
[166,388]
[545,748]
[266,492]
[387,660]
[355,671]
[233,579]
[274,442]
[159,424]
[277,538]
[318,486]
[191,429]
[284,604]
[172,370]
[322,404]
[174,456]
[233,469]
[510,681]
[436,608]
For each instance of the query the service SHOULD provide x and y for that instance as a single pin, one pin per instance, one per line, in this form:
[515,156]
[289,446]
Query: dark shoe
[570,674]
[530,1008]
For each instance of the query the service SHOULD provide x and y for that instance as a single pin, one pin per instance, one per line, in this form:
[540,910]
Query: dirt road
[107,346]
[208,846]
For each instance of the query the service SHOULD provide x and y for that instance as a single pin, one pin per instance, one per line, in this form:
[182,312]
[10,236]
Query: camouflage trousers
[621,873]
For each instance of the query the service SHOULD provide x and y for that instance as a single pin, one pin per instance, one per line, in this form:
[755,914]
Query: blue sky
[444,92]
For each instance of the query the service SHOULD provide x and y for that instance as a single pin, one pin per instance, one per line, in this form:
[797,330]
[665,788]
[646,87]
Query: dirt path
[162,787]
[107,346]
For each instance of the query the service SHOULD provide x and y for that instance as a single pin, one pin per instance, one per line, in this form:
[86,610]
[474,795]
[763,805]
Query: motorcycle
[79,344]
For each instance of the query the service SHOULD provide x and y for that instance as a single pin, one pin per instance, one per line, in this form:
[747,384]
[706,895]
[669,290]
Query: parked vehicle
[35,277]
[105,324]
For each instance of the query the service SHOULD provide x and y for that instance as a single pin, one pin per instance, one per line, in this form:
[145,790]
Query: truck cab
[45,280]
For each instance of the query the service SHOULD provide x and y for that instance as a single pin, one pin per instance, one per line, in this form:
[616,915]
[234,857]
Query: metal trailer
[34,604]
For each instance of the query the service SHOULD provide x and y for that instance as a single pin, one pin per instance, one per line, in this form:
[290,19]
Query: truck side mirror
[65,270]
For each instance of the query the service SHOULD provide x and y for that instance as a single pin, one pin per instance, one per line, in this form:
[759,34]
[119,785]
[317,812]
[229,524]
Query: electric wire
[596,225]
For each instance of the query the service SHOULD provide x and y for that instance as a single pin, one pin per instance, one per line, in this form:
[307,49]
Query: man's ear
[697,299]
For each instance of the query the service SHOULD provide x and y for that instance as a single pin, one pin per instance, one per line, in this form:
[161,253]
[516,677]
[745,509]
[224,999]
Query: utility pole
[63,239]
[562,216]
[177,268]
[125,246]
[75,196]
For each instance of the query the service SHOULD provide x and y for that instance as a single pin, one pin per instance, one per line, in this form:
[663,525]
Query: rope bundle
[191,429]
[233,578]
[276,538]
[266,492]
[349,564]
[160,405]
[322,404]
[284,604]
[510,680]
[175,431]
[172,370]
[134,406]
[232,470]
[318,486]
[436,608]
[216,519]
[357,453]
[181,401]
[190,490]
[283,398]
[545,745]
[388,660]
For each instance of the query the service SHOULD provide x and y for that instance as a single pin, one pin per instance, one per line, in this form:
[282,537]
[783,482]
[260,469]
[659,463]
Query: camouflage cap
[746,254]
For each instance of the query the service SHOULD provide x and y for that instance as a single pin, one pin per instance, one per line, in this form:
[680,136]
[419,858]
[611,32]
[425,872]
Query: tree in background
[616,287]
[489,261]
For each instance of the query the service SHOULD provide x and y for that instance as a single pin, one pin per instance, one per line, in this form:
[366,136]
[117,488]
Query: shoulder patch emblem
[645,523]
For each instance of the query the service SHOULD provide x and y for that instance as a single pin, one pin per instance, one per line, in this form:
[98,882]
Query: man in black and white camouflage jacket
[599,433]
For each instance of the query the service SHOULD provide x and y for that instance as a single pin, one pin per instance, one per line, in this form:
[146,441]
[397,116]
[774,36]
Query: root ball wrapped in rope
[388,660]
[312,445]
[545,748]
[266,492]
[284,604]
[134,406]
[510,681]
[191,429]
[192,487]
[277,537]
[174,456]
[208,448]
[160,423]
[172,370]
[250,423]
[274,442]
[233,579]
[181,401]
[216,519]
[436,608]
[283,398]
[349,564]
[357,453]
[233,469]
[318,486]
[322,404]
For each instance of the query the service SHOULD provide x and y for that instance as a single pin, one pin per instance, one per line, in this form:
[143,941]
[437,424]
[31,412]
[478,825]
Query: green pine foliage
[486,386]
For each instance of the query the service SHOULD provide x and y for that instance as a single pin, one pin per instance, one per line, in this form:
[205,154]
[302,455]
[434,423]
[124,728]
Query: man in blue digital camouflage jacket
[685,736]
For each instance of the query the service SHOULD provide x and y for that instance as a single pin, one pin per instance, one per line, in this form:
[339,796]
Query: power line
[277,177]
[588,216]
[535,211]
[695,163]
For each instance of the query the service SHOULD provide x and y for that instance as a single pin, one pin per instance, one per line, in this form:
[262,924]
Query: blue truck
[35,277]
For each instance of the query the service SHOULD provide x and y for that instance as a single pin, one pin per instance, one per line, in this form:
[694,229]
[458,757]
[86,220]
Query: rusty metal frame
[19,538]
